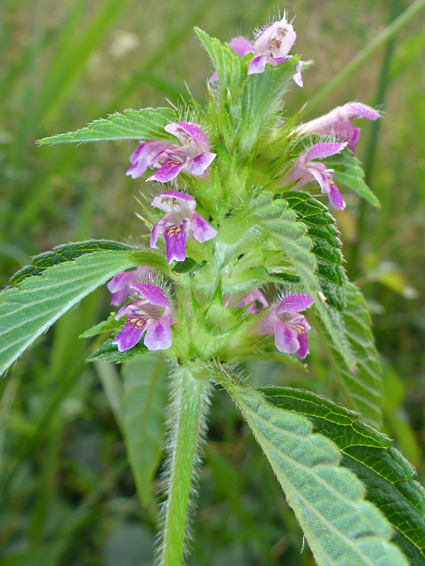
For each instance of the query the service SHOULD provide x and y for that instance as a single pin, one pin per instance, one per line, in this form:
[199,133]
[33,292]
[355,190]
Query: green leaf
[187,266]
[279,222]
[326,244]
[145,399]
[261,97]
[348,172]
[146,124]
[109,352]
[66,252]
[341,528]
[108,325]
[363,387]
[231,69]
[29,310]
[388,477]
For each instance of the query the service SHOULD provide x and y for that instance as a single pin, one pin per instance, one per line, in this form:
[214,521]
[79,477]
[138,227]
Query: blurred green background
[67,496]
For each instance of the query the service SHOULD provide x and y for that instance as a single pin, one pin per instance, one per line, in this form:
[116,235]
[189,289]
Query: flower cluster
[149,312]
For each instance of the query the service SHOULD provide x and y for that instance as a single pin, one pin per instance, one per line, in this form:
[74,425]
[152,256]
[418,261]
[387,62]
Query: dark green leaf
[388,477]
[109,352]
[326,244]
[108,325]
[341,528]
[187,266]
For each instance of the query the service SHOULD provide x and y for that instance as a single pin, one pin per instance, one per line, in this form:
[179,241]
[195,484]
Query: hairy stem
[187,427]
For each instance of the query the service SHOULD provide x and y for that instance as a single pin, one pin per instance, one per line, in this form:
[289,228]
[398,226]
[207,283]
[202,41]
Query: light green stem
[389,32]
[187,427]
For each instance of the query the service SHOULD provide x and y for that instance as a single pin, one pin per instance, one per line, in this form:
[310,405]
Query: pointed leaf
[326,244]
[146,124]
[341,528]
[388,477]
[348,172]
[109,352]
[275,219]
[231,69]
[363,387]
[29,310]
[145,399]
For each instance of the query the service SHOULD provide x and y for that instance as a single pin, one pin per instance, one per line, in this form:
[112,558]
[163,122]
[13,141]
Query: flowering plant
[235,255]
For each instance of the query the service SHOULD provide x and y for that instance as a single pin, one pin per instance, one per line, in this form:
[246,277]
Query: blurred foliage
[66,490]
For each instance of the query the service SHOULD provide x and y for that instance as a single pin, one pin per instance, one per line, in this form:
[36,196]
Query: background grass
[66,492]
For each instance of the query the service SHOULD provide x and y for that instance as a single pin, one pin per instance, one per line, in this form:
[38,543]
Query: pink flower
[120,285]
[306,169]
[192,156]
[179,219]
[252,298]
[288,325]
[152,313]
[337,123]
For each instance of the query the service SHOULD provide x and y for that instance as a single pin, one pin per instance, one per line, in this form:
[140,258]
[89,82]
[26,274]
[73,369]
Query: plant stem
[187,427]
[388,33]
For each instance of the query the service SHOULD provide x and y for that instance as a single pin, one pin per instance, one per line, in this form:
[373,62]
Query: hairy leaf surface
[30,309]
[341,528]
[145,399]
[145,124]
[326,244]
[363,387]
[388,477]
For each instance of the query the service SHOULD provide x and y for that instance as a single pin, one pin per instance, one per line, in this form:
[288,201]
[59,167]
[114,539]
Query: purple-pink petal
[153,294]
[360,110]
[295,302]
[130,334]
[285,338]
[120,285]
[303,344]
[158,334]
[297,77]
[251,298]
[169,200]
[322,150]
[276,39]
[335,197]
[258,64]
[146,155]
[201,229]
[199,164]
[159,228]
[186,131]
[241,46]
[170,168]
[175,241]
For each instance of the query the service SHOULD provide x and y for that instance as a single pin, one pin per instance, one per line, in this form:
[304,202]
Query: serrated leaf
[145,124]
[363,388]
[29,310]
[348,172]
[326,244]
[388,477]
[66,252]
[231,69]
[109,352]
[145,399]
[341,528]
[279,222]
